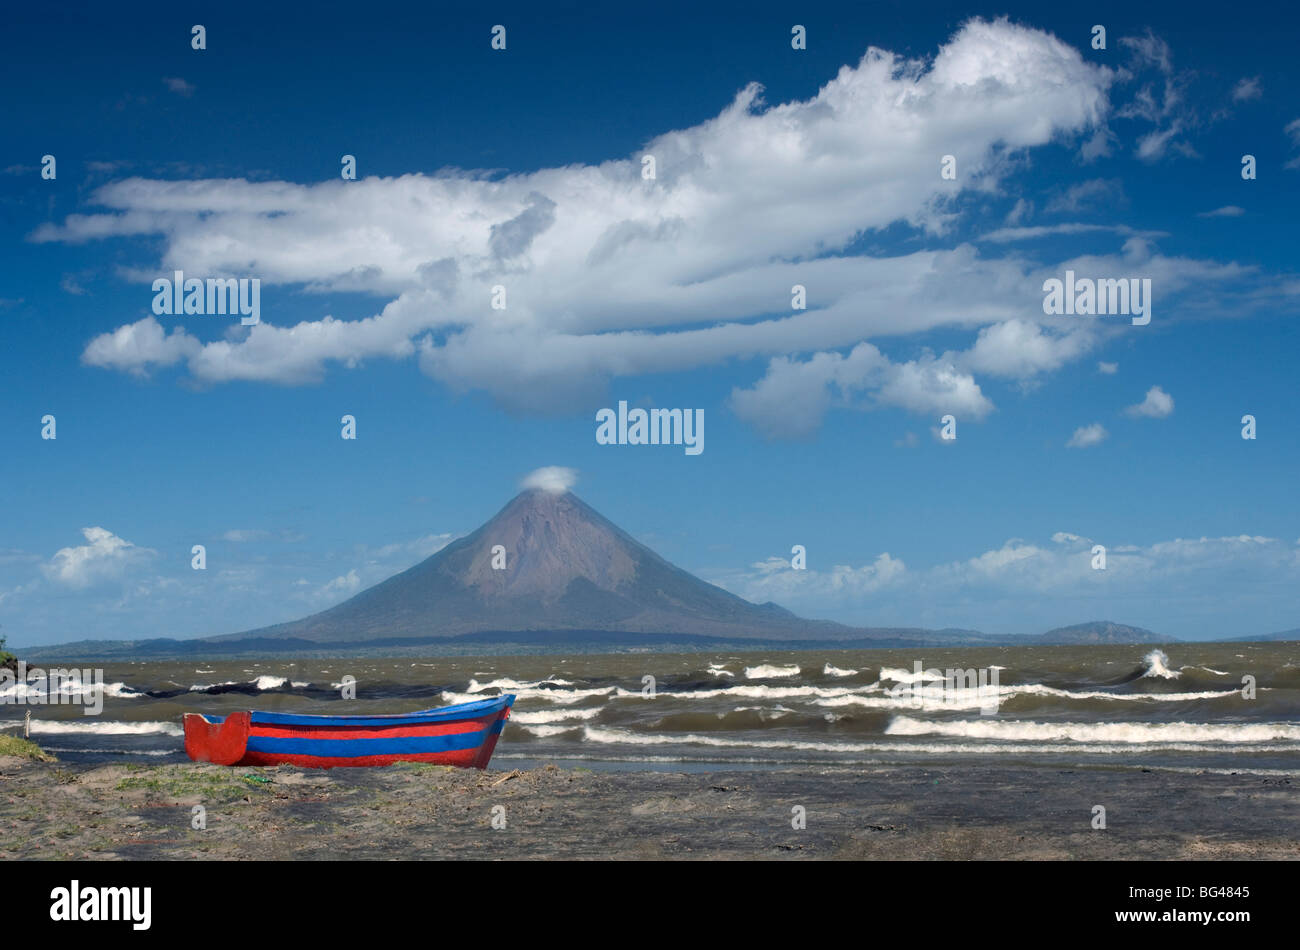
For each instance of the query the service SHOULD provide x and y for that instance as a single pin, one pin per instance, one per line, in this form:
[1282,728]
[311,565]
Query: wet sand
[51,810]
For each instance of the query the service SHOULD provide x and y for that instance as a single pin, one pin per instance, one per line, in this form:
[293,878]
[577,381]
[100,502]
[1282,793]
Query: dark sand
[49,810]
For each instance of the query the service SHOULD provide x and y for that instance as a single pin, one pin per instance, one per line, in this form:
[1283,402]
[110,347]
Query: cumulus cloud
[1157,405]
[339,588]
[1086,436]
[611,275]
[135,347]
[551,478]
[103,557]
[1019,349]
[791,399]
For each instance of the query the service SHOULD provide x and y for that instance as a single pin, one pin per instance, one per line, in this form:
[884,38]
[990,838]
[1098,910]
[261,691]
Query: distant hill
[1100,631]
[1269,637]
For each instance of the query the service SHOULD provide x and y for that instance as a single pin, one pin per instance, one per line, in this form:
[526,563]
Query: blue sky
[523,168]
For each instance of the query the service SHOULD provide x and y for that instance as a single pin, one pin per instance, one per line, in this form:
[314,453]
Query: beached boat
[462,735]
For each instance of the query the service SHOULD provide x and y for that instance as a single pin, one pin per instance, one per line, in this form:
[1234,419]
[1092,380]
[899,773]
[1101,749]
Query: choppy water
[1111,705]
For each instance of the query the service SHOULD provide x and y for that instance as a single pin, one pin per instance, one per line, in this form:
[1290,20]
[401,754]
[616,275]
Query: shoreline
[933,812]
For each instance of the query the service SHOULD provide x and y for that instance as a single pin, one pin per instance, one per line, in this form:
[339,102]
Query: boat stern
[216,740]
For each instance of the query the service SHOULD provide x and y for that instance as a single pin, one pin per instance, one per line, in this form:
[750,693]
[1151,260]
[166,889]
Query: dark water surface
[1179,706]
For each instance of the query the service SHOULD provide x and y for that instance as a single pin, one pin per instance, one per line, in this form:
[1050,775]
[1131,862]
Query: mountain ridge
[547,569]
[565,566]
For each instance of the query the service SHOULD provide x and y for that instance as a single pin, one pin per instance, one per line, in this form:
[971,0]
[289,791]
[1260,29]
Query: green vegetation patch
[181,781]
[12,745]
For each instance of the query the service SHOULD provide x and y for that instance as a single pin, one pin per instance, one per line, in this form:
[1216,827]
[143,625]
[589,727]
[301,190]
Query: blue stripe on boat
[353,748]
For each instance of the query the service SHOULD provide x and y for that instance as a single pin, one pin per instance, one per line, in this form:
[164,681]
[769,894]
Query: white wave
[905,676]
[38,689]
[940,697]
[262,683]
[1037,689]
[1104,732]
[766,672]
[928,698]
[764,712]
[1158,666]
[554,715]
[56,750]
[545,732]
[511,686]
[54,727]
[718,670]
[605,736]
[829,670]
[899,696]
[751,692]
[560,697]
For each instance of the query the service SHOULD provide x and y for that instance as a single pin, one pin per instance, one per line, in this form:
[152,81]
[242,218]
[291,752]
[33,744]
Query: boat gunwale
[473,710]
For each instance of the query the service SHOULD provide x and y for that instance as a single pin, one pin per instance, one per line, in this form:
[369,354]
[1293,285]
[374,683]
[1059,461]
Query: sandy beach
[49,810]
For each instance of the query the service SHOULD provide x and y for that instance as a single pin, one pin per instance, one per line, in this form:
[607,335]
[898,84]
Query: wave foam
[766,672]
[56,727]
[829,670]
[1105,732]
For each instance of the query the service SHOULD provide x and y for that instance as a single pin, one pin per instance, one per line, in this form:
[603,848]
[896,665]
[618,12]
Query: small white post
[27,725]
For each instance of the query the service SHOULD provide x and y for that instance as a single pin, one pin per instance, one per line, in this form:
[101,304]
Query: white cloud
[135,347]
[1108,369]
[1162,101]
[105,556]
[1086,436]
[1292,129]
[551,478]
[775,580]
[1157,405]
[241,535]
[1175,581]
[793,396]
[178,86]
[1106,192]
[609,275]
[1227,211]
[612,276]
[340,588]
[1019,349]
[1246,90]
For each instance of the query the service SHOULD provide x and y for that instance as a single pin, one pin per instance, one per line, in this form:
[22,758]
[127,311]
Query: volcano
[566,568]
